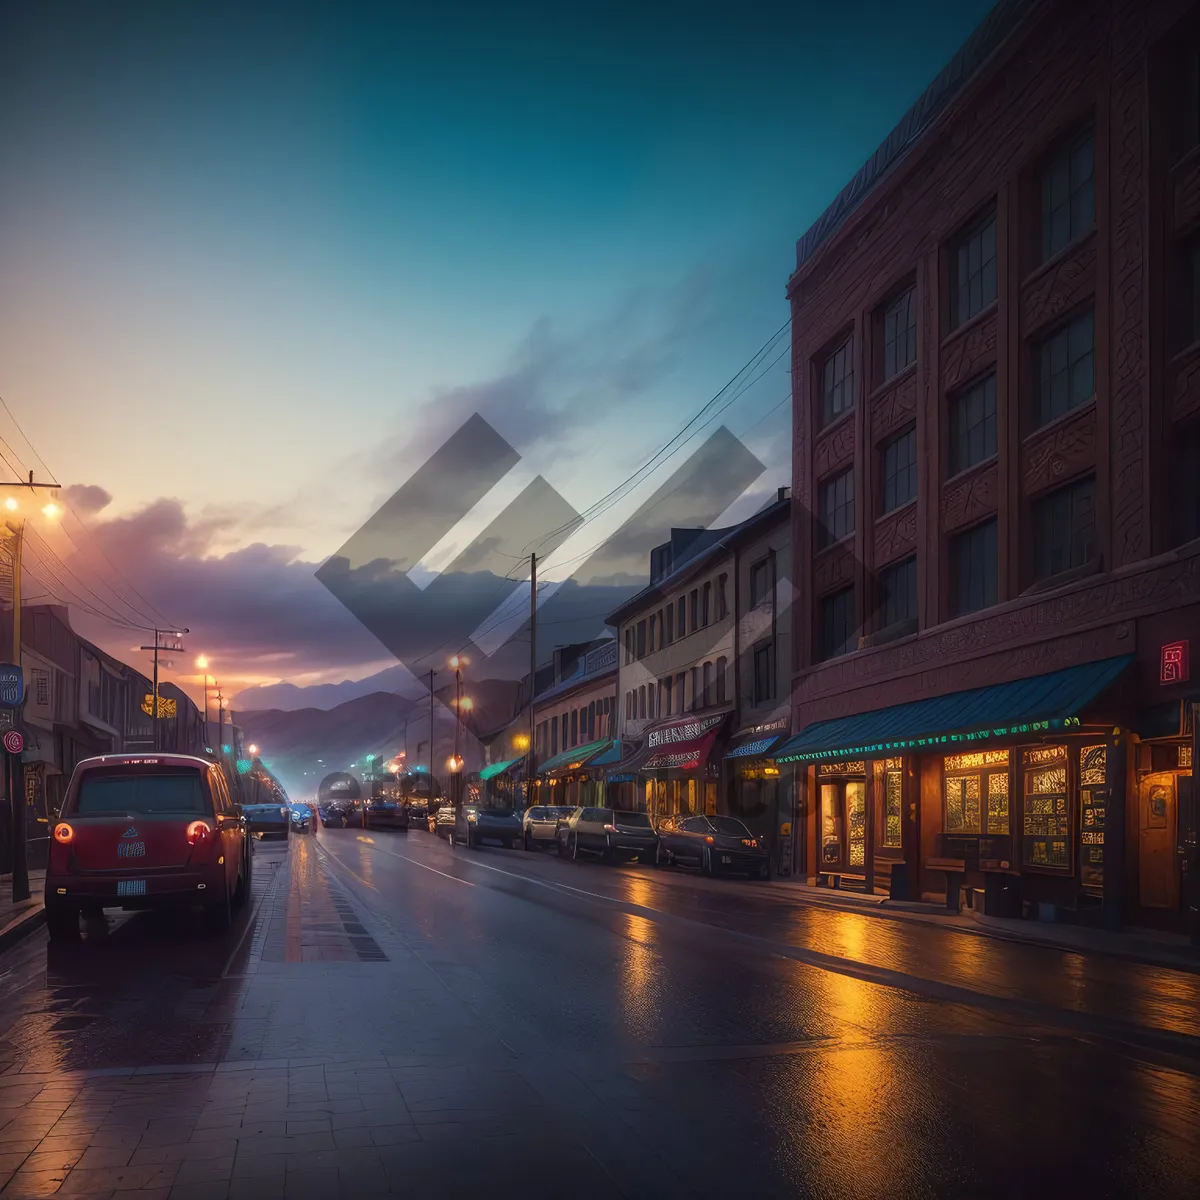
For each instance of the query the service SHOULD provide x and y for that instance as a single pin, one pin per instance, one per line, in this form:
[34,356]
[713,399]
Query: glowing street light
[51,511]
[252,748]
[11,504]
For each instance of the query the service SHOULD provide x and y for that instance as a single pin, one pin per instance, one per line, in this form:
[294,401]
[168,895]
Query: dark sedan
[716,845]
[477,823]
[609,833]
[268,820]
[385,813]
[331,816]
[418,810]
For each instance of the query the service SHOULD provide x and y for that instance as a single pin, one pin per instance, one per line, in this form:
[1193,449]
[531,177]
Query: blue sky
[258,263]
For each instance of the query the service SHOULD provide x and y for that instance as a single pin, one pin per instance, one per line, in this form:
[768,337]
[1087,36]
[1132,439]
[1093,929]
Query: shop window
[973,569]
[899,586]
[1184,482]
[1064,529]
[838,628]
[1093,800]
[973,425]
[973,269]
[837,382]
[764,673]
[843,823]
[1067,368]
[1068,194]
[1046,829]
[899,320]
[760,581]
[975,793]
[900,469]
[893,802]
[836,509]
[722,671]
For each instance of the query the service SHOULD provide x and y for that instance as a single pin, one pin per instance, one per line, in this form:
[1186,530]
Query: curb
[23,925]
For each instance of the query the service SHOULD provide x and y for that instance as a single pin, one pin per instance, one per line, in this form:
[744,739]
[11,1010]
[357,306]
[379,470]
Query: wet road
[396,1016]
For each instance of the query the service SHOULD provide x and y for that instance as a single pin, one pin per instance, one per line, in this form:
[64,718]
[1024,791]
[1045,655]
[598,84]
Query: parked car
[268,820]
[477,823]
[382,812]
[715,845]
[441,823]
[539,824]
[352,813]
[302,818]
[331,815]
[418,810]
[141,831]
[608,833]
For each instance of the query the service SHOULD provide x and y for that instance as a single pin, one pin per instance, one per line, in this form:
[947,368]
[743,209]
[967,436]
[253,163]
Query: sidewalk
[18,920]
[1139,945]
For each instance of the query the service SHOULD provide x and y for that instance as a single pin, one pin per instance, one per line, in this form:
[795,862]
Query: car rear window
[162,792]
[633,818]
[729,825]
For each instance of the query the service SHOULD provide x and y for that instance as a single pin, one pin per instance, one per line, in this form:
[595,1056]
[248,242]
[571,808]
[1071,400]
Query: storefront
[997,794]
[757,790]
[567,780]
[681,773]
[504,782]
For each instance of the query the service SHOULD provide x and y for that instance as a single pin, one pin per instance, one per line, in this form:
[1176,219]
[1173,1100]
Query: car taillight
[610,829]
[709,839]
[198,832]
[750,842]
[63,833]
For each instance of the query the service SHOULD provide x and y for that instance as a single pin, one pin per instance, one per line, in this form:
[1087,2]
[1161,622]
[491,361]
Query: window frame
[1065,151]
[762,660]
[1042,415]
[1040,507]
[983,773]
[824,652]
[843,386]
[826,537]
[958,539]
[966,233]
[761,566]
[890,443]
[957,434]
[907,293]
[887,619]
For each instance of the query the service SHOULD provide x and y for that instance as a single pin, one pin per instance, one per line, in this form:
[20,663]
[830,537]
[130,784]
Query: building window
[695,688]
[653,632]
[669,624]
[899,586]
[764,673]
[706,672]
[694,606]
[837,624]
[900,469]
[900,333]
[706,605]
[836,509]
[973,425]
[1068,203]
[1064,529]
[760,581]
[668,698]
[973,270]
[722,672]
[1067,377]
[680,692]
[574,728]
[650,689]
[681,616]
[41,687]
[837,382]
[1185,482]
[566,745]
[641,639]
[975,793]
[1046,831]
[722,601]
[554,736]
[889,775]
[642,702]
[1093,800]
[973,569]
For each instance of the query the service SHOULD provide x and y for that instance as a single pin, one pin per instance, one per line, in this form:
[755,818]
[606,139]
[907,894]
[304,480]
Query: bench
[954,870]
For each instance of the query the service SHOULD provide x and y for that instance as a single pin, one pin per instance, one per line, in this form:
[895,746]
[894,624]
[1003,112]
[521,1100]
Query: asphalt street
[392,1015]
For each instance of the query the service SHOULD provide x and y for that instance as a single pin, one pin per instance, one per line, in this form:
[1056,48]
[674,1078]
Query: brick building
[996,366]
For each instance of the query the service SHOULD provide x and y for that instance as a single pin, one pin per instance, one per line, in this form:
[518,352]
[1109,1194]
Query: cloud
[87,498]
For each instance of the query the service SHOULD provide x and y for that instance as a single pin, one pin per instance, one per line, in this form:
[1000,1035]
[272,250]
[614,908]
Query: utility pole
[177,648]
[431,746]
[532,761]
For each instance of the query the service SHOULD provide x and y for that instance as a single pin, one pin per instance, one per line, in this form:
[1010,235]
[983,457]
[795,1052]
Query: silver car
[540,824]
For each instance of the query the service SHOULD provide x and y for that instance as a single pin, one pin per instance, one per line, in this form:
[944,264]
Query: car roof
[124,760]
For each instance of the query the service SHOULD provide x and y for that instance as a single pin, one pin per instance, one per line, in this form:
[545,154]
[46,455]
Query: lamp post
[13,537]
[202,663]
[457,662]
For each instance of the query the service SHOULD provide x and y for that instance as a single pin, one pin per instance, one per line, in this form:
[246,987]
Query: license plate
[131,849]
[726,859]
[131,887]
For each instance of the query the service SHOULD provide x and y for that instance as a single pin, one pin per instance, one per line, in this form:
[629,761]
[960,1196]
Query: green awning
[574,758]
[494,769]
[1034,705]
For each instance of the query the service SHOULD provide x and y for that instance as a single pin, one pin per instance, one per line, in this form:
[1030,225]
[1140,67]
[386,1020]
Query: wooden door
[1158,866]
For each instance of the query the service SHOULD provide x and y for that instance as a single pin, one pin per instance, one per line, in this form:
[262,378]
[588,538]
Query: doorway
[1158,867]
[844,825]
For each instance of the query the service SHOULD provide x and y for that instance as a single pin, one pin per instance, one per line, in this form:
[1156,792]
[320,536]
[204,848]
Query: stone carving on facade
[1052,456]
[894,407]
[969,497]
[1060,288]
[1186,392]
[896,535]
[835,448]
[966,356]
[833,569]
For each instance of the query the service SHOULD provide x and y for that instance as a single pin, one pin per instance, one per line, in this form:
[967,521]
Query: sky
[261,260]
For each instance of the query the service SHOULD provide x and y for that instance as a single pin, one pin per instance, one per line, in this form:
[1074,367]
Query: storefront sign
[166,706]
[603,658]
[685,731]
[14,743]
[776,726]
[1173,663]
[12,688]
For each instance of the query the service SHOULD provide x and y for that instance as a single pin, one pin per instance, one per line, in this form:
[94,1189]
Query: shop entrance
[1158,869]
[843,825]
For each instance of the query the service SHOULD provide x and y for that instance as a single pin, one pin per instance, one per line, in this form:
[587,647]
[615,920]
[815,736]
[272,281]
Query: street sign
[11,686]
[14,743]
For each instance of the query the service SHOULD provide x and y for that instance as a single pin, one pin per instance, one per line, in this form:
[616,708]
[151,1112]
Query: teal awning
[1033,705]
[494,769]
[574,758]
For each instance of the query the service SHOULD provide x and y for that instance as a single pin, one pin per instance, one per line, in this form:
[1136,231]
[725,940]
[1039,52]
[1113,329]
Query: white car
[540,824]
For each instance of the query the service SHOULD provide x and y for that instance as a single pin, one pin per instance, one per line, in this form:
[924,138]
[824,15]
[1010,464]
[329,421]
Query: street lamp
[253,750]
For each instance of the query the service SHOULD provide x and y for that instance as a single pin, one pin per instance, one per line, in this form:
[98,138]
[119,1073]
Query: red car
[144,831]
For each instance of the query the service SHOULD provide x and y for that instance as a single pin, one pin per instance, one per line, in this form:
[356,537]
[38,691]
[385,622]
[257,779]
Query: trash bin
[898,889]
[1002,896]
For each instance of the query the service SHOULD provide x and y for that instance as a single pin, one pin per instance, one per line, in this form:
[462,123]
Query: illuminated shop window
[1047,819]
[893,802]
[975,792]
[1093,799]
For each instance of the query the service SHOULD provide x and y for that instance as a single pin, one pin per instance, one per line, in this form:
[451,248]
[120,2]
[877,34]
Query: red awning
[683,744]
[683,756]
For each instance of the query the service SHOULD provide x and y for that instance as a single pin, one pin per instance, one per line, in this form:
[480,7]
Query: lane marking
[371,845]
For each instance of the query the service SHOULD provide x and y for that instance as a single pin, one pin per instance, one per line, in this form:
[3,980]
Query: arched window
[707,669]
[722,668]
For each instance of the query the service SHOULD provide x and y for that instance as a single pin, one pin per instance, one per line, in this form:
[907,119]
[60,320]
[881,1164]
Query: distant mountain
[290,697]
